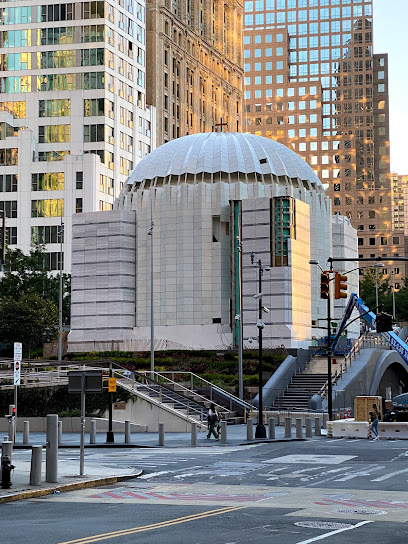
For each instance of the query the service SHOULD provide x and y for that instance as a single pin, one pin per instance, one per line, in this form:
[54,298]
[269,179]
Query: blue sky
[390,32]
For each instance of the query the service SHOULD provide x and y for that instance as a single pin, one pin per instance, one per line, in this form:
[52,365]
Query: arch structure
[390,372]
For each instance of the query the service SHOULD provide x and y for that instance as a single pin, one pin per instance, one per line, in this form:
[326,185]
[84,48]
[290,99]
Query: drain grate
[322,525]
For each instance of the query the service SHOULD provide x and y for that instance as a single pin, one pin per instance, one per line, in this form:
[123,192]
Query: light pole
[61,239]
[329,349]
[376,266]
[150,233]
[260,428]
[393,294]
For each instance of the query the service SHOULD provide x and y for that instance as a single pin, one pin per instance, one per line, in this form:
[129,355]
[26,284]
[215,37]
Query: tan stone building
[313,83]
[194,59]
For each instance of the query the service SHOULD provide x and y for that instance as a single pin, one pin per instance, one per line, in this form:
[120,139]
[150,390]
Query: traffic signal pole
[329,358]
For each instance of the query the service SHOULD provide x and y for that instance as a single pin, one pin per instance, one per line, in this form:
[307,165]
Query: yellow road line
[168,523]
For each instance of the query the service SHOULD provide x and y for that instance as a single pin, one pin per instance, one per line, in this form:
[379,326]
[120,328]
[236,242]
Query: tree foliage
[385,295]
[29,319]
[29,299]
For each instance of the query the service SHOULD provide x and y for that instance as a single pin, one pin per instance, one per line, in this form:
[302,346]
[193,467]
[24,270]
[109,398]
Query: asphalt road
[337,491]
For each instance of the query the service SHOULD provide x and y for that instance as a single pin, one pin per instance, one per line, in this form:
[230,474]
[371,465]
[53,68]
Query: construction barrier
[348,429]
[393,430]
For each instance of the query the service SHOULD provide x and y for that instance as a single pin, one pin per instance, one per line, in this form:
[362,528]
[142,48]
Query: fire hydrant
[6,468]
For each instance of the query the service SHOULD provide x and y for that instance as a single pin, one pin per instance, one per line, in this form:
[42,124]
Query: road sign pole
[82,446]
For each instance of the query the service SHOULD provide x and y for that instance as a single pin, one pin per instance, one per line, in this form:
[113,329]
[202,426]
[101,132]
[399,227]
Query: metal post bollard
[309,432]
[51,452]
[12,423]
[299,430]
[92,434]
[194,434]
[161,434]
[26,432]
[288,427]
[223,432]
[36,462]
[325,420]
[250,429]
[7,449]
[317,427]
[59,432]
[271,428]
[127,432]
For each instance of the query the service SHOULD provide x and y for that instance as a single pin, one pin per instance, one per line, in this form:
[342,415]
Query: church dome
[217,152]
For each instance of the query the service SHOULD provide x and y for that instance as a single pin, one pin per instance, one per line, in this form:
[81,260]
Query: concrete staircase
[300,390]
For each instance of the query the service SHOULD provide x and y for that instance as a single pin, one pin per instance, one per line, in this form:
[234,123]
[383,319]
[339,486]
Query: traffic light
[383,322]
[340,285]
[324,285]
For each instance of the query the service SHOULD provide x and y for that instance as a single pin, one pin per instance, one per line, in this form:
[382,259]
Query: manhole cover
[323,525]
[360,511]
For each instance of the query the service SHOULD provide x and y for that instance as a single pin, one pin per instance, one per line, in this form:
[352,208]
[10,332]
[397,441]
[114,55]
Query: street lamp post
[376,266]
[260,428]
[393,294]
[61,240]
[150,233]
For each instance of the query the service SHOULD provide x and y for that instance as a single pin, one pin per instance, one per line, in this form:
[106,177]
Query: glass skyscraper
[313,82]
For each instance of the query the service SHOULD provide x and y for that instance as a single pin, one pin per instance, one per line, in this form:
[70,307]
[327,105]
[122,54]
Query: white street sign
[17,372]
[18,351]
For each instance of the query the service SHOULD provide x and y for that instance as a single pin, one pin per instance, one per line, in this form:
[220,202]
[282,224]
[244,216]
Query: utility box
[364,405]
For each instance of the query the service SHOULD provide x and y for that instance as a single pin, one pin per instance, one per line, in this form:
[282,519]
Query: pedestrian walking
[375,417]
[212,419]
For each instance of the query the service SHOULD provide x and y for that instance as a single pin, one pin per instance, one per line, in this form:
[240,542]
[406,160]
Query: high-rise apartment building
[313,82]
[73,115]
[194,59]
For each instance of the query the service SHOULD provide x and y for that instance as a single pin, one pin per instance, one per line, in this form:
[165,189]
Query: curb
[31,494]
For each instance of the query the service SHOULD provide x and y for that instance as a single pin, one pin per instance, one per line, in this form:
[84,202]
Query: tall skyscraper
[194,59]
[73,114]
[313,82]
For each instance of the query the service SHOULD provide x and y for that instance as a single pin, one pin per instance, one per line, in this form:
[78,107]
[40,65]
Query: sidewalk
[97,475]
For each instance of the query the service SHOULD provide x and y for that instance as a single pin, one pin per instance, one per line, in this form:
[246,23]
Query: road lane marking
[390,475]
[160,525]
[332,533]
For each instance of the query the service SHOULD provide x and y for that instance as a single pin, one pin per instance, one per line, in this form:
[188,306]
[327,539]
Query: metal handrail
[162,395]
[193,376]
[346,363]
[204,400]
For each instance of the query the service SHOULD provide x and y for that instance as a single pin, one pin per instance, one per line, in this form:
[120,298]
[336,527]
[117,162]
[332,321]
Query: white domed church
[196,221]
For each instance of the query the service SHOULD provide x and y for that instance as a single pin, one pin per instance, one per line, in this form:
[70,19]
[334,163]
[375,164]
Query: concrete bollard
[299,430]
[161,434]
[325,420]
[223,432]
[92,434]
[194,434]
[59,432]
[26,432]
[36,462]
[250,429]
[51,452]
[288,427]
[271,428]
[7,449]
[127,432]
[309,431]
[318,431]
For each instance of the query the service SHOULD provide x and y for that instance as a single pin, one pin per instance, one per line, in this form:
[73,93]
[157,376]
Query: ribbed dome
[228,152]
